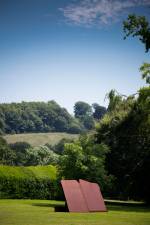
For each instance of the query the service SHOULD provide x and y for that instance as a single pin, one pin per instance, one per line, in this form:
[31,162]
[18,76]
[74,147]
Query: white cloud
[89,12]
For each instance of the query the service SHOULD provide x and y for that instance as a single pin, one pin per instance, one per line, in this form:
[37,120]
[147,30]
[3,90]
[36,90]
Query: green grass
[41,212]
[36,139]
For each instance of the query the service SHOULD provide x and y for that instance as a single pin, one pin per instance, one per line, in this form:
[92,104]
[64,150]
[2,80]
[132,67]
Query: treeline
[28,117]
[36,117]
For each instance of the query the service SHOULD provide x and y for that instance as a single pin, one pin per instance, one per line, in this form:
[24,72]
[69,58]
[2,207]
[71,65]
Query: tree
[82,109]
[20,151]
[6,154]
[41,155]
[126,129]
[114,100]
[59,147]
[75,127]
[88,122]
[99,111]
[145,70]
[83,112]
[85,159]
[126,132]
[138,26]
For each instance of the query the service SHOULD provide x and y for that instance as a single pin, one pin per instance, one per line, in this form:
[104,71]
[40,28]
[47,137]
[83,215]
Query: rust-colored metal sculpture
[93,196]
[83,196]
[74,197]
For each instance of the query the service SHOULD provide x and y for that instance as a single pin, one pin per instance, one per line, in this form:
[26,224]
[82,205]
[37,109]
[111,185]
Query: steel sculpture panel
[74,197]
[93,196]
[83,196]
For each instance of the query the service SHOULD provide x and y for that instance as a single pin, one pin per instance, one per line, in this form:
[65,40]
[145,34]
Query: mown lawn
[41,212]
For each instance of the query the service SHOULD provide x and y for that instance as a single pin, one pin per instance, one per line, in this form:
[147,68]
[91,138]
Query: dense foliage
[99,111]
[23,154]
[138,26]
[84,159]
[126,130]
[28,117]
[36,117]
[145,69]
[87,114]
[28,182]
[7,156]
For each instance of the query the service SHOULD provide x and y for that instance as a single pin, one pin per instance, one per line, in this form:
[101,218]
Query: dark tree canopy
[82,109]
[138,26]
[36,117]
[99,111]
[145,70]
[83,112]
[6,154]
[127,132]
[126,128]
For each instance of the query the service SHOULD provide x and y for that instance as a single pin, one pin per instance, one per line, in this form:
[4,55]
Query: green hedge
[28,182]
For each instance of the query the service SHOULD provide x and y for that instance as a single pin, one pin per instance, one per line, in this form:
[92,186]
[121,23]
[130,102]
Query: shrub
[28,182]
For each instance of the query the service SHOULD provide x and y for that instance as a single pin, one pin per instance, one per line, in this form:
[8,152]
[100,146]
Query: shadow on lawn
[124,207]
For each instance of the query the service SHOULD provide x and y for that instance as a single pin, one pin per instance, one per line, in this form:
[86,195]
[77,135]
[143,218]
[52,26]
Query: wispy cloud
[102,12]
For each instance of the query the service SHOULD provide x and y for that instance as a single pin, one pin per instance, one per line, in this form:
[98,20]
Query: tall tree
[82,109]
[127,129]
[99,111]
[139,26]
[114,99]
[83,112]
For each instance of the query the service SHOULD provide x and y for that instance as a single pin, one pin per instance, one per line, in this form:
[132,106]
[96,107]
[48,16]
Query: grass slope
[36,139]
[41,212]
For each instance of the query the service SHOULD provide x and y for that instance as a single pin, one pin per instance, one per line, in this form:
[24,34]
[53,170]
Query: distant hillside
[32,117]
[36,139]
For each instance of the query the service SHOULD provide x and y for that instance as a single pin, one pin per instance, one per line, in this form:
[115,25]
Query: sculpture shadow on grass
[57,207]
[115,206]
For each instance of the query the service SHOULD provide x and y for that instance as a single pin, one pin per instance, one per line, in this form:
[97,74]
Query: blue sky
[68,50]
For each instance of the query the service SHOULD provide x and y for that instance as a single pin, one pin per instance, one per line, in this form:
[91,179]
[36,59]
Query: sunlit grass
[42,212]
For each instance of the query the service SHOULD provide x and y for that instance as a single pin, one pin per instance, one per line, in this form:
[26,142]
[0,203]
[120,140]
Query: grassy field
[41,212]
[36,139]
